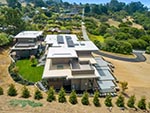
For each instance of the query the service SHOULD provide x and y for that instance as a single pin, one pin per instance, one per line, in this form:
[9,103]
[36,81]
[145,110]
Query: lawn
[29,72]
[95,37]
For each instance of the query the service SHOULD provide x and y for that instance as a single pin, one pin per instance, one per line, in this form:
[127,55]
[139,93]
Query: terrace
[83,67]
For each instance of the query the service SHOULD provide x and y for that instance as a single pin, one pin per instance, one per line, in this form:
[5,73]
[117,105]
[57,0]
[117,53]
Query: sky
[145,2]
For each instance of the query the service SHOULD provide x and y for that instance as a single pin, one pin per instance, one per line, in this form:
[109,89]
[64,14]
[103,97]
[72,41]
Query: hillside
[114,23]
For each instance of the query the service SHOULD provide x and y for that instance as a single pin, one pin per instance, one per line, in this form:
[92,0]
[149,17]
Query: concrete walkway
[139,54]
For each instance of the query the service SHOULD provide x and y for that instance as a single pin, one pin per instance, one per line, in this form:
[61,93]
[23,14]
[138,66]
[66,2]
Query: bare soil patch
[112,22]
[136,74]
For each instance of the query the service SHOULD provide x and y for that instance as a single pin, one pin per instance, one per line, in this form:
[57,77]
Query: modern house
[27,43]
[70,64]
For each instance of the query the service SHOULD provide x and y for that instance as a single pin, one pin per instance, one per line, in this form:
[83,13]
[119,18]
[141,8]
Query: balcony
[83,67]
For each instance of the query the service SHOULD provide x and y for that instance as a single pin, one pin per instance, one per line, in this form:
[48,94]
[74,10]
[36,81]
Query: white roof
[78,45]
[29,34]
[104,74]
[61,53]
[101,62]
[106,84]
[48,73]
[86,46]
[63,73]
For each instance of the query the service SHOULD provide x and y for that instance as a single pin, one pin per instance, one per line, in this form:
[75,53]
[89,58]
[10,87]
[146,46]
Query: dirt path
[4,64]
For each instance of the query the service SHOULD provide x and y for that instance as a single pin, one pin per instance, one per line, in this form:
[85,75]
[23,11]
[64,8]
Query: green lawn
[94,37]
[28,72]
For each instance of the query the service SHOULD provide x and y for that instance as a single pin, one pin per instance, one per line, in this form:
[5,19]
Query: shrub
[96,99]
[12,90]
[124,86]
[73,98]
[108,101]
[51,95]
[148,50]
[38,95]
[85,99]
[1,91]
[25,92]
[4,39]
[33,60]
[149,105]
[120,101]
[15,70]
[61,96]
[131,102]
[142,103]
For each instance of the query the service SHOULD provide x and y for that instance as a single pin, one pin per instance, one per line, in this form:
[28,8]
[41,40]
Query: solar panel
[69,41]
[60,39]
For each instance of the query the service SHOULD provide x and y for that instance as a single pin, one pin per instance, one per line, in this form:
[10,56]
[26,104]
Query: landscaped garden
[28,71]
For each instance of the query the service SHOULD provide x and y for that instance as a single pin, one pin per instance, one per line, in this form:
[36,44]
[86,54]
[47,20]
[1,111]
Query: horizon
[145,2]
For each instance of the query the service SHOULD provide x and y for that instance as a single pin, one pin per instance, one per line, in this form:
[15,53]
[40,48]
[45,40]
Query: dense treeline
[114,6]
[125,37]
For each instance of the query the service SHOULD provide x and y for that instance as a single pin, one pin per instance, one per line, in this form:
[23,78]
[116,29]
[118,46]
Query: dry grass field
[136,74]
[114,23]
[111,22]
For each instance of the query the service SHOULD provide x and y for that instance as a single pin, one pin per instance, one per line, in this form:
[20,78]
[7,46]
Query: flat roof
[70,41]
[101,62]
[106,86]
[24,47]
[29,34]
[48,73]
[61,53]
[63,73]
[105,74]
[82,76]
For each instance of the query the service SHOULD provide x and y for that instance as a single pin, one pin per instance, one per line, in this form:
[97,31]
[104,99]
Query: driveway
[139,57]
[85,36]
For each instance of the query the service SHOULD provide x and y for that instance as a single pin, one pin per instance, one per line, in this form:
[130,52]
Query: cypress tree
[85,99]
[120,101]
[131,102]
[25,92]
[96,99]
[61,96]
[38,95]
[142,103]
[108,101]
[51,95]
[12,90]
[73,98]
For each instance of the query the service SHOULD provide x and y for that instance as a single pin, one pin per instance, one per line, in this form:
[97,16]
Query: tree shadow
[2,49]
[126,95]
